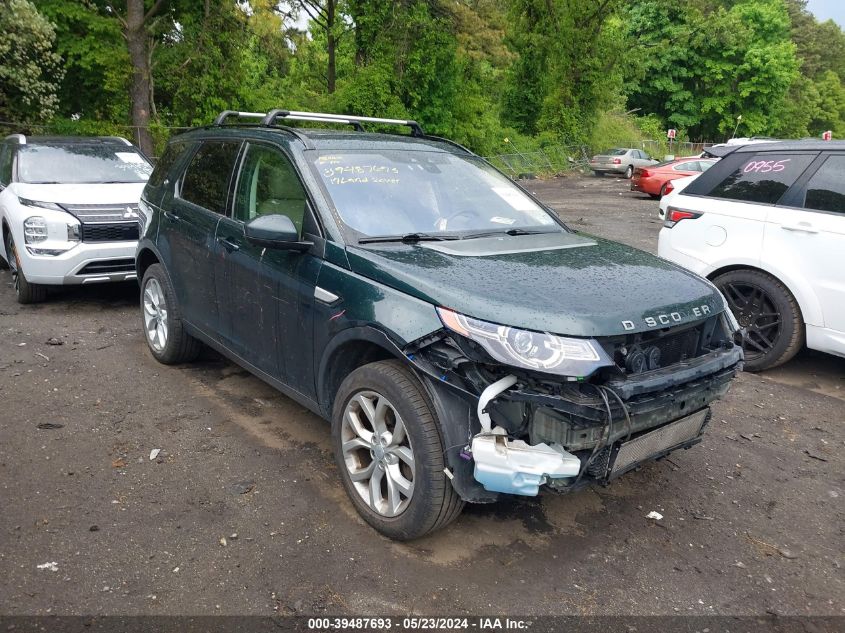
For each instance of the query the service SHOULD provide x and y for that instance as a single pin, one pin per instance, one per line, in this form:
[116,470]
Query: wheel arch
[347,351]
[806,299]
[145,258]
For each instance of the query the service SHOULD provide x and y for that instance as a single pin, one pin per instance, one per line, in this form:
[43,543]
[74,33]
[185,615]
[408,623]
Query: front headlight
[40,205]
[34,229]
[572,357]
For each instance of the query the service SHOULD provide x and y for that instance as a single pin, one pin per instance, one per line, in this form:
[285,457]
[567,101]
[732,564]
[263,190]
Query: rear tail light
[673,216]
[617,161]
[645,173]
[669,188]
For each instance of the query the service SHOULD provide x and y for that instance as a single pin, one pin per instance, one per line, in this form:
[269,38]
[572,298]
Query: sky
[828,9]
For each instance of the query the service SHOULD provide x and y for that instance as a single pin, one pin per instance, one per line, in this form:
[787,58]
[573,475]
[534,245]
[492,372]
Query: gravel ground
[241,511]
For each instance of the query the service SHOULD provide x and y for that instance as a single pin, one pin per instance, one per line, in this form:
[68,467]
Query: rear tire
[387,442]
[161,319]
[24,291]
[598,174]
[629,173]
[769,313]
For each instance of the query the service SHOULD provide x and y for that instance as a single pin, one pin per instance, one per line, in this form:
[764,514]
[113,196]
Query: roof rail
[357,122]
[20,139]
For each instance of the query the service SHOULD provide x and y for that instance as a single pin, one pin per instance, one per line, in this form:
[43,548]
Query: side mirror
[275,231]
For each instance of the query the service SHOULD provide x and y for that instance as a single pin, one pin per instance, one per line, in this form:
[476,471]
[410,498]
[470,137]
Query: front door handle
[801,227]
[228,244]
[172,216]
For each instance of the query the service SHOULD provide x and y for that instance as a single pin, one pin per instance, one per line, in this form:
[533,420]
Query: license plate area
[656,442]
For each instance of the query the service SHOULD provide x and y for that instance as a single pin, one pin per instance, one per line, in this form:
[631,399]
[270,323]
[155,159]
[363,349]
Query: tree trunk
[331,46]
[139,90]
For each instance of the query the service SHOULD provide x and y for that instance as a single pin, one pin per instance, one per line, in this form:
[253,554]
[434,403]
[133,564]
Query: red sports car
[652,180]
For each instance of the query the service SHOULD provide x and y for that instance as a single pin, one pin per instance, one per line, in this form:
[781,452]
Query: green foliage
[30,70]
[699,67]
[540,73]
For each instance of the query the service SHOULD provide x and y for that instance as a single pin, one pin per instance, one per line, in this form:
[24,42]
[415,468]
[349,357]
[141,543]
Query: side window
[5,164]
[826,189]
[762,177]
[691,166]
[206,181]
[268,184]
[704,165]
[165,163]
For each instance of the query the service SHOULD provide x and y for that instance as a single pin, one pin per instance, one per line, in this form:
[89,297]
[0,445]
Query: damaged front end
[521,410]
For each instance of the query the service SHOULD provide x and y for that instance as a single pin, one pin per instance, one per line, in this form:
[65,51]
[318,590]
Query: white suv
[767,225]
[69,210]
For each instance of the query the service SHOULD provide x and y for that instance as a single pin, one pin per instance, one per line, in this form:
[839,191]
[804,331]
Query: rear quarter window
[165,164]
[763,177]
[826,189]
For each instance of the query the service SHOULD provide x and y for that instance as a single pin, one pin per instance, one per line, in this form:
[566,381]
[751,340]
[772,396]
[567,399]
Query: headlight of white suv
[571,357]
[53,232]
[34,229]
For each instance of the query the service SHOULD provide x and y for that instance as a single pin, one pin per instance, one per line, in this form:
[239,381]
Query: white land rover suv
[69,210]
[767,225]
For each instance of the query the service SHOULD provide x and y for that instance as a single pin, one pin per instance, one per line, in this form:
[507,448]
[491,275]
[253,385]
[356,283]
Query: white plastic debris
[53,566]
[654,515]
[154,453]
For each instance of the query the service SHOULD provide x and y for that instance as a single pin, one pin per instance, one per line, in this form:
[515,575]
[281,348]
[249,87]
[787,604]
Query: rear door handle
[801,227]
[228,244]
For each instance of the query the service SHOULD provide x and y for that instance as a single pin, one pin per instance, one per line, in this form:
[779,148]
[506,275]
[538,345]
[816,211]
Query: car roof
[812,145]
[20,139]
[327,139]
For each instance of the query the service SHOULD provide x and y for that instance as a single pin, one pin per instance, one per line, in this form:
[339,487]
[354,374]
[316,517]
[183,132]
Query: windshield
[389,192]
[74,164]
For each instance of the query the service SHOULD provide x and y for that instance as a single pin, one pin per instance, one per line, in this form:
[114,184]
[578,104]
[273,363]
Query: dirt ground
[753,518]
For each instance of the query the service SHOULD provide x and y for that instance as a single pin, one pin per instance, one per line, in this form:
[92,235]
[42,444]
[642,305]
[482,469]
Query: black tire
[24,291]
[769,313]
[598,174]
[629,173]
[662,191]
[434,502]
[179,346]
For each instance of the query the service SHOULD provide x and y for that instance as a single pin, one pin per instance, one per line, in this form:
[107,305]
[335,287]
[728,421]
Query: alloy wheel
[155,315]
[378,454]
[755,311]
[12,254]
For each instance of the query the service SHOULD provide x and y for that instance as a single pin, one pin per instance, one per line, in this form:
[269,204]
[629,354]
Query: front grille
[110,232]
[103,212]
[654,443]
[108,266]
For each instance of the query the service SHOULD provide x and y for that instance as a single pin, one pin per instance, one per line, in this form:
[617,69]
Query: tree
[701,66]
[30,70]
[135,21]
[324,13]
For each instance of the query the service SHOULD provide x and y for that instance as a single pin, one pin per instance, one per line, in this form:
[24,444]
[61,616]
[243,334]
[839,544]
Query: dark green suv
[463,341]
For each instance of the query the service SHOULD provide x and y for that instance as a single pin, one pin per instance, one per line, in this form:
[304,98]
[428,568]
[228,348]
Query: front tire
[769,313]
[24,291]
[389,453]
[161,317]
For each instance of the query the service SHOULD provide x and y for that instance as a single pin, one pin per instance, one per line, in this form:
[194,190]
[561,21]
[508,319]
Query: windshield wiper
[408,238]
[470,236]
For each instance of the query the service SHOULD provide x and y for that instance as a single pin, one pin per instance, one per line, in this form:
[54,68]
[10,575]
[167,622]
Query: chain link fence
[559,159]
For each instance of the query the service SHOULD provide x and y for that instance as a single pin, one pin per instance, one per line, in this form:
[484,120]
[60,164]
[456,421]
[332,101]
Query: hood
[111,193]
[566,284]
